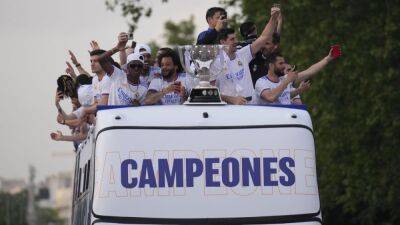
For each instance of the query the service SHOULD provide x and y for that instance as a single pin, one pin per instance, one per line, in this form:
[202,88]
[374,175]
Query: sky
[34,39]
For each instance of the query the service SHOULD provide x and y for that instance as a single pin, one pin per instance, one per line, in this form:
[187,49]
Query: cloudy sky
[35,37]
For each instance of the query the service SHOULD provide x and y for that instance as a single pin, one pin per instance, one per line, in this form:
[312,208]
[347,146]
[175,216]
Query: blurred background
[354,103]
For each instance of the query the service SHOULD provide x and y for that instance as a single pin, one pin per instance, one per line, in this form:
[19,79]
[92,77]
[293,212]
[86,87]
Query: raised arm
[267,33]
[314,69]
[279,26]
[78,66]
[61,112]
[121,46]
[122,57]
[70,70]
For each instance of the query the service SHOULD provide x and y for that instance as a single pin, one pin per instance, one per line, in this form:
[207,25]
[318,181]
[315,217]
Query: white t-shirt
[235,79]
[123,93]
[85,95]
[264,83]
[146,79]
[117,74]
[171,98]
[100,87]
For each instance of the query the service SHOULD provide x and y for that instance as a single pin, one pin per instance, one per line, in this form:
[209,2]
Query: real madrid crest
[240,63]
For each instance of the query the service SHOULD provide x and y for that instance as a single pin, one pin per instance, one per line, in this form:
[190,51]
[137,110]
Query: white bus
[198,165]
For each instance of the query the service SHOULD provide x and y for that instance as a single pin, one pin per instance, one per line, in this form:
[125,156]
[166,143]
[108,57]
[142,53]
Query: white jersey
[85,95]
[123,93]
[100,88]
[146,79]
[235,79]
[117,74]
[264,83]
[172,98]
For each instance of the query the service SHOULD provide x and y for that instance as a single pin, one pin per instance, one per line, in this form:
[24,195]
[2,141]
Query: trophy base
[204,96]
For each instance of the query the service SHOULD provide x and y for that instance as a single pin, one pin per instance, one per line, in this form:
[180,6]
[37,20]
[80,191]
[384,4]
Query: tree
[154,47]
[181,33]
[354,103]
[13,208]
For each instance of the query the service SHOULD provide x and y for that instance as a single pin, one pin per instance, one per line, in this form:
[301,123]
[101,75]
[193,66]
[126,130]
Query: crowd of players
[255,72]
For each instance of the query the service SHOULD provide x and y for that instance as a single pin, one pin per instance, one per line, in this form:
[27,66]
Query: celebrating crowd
[255,72]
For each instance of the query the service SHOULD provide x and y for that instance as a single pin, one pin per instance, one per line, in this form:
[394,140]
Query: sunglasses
[136,65]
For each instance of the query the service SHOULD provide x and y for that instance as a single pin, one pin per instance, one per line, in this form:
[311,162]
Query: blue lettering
[147,170]
[268,171]
[191,171]
[254,172]
[283,165]
[124,173]
[175,174]
[235,172]
[210,171]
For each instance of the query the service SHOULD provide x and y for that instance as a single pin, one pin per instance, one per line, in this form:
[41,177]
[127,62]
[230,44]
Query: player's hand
[292,76]
[239,100]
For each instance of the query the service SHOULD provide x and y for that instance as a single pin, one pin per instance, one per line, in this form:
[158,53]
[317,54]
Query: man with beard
[173,86]
[275,87]
[128,90]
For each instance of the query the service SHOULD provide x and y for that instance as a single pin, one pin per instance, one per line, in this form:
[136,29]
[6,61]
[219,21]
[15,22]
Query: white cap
[135,57]
[143,47]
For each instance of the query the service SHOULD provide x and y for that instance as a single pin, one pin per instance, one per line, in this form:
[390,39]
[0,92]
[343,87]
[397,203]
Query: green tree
[154,47]
[354,103]
[13,208]
[181,33]
[49,216]
[13,211]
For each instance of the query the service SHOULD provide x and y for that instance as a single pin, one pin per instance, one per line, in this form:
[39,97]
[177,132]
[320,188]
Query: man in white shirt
[173,87]
[235,82]
[100,90]
[128,90]
[276,87]
[100,85]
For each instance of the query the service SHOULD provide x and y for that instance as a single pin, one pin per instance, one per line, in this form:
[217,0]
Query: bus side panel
[84,176]
[205,173]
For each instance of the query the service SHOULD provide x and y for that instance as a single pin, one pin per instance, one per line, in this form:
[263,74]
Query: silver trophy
[204,63]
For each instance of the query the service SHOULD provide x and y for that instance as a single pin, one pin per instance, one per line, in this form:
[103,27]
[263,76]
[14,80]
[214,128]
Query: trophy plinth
[202,62]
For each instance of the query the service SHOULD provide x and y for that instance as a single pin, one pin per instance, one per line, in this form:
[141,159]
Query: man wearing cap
[149,71]
[128,90]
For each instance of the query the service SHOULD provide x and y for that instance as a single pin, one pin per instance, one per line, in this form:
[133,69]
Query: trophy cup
[203,62]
